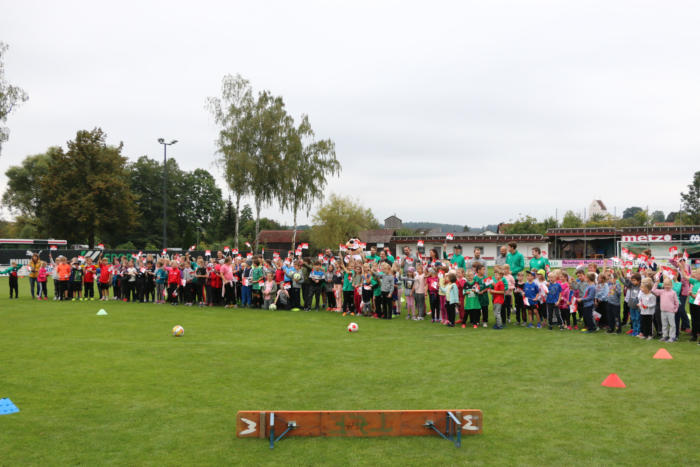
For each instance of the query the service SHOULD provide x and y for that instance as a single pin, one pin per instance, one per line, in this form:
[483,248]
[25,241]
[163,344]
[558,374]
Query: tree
[194,202]
[271,120]
[339,219]
[23,194]
[87,193]
[657,216]
[630,212]
[672,216]
[524,225]
[571,220]
[10,97]
[305,165]
[233,112]
[465,228]
[690,202]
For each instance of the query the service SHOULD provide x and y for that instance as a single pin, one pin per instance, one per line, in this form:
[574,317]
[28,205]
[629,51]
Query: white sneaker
[486,325]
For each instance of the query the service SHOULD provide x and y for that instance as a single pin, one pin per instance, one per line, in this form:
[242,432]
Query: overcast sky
[459,112]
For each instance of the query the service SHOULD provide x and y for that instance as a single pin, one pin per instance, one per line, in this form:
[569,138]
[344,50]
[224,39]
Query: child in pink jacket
[669,307]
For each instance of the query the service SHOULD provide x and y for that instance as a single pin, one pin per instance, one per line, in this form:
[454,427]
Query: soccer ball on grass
[353,327]
[178,331]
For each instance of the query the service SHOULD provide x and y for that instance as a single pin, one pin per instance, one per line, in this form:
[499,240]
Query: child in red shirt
[174,279]
[498,292]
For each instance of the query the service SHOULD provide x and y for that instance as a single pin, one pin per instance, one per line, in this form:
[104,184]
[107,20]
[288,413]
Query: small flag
[53,248]
[673,251]
[320,256]
[164,252]
[685,255]
[247,244]
[207,252]
[275,255]
[420,243]
[249,255]
[342,247]
[526,302]
[100,246]
[234,251]
[227,249]
[450,236]
[304,246]
[192,248]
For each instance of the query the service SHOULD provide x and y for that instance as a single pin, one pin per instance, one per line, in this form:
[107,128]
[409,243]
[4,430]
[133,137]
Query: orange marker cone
[662,354]
[613,381]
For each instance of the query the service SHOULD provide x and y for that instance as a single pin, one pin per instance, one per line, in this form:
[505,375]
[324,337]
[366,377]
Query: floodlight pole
[165,189]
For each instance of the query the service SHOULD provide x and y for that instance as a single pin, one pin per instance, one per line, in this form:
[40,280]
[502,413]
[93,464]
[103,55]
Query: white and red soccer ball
[353,327]
[178,331]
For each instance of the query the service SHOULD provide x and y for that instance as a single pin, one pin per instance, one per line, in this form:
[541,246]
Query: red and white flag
[227,249]
[420,243]
[53,248]
[164,252]
[192,248]
[685,255]
[275,255]
[234,251]
[100,246]
[207,252]
[625,253]
[643,258]
[450,236]
[320,256]
[342,247]
[673,251]
[304,246]
[544,253]
[247,244]
[249,255]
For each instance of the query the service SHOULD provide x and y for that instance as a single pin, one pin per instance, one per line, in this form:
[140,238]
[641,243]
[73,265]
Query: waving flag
[247,244]
[164,252]
[420,243]
[449,236]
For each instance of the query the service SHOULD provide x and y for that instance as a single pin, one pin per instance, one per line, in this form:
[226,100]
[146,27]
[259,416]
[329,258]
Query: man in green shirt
[373,256]
[538,261]
[457,257]
[515,259]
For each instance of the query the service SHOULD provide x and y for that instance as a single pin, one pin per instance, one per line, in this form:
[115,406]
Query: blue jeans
[246,295]
[635,320]
[32,285]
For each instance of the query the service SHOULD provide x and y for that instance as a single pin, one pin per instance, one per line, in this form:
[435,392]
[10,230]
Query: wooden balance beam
[274,425]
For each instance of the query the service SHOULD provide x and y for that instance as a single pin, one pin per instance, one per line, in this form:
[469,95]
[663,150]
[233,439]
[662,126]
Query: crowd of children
[452,290]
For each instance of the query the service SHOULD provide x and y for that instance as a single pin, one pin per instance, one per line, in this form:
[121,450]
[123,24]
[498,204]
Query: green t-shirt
[375,287]
[471,299]
[374,258]
[255,275]
[347,282]
[484,297]
[516,261]
[539,263]
[694,285]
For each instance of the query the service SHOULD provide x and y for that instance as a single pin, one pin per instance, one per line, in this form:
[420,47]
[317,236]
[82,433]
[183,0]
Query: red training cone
[613,381]
[662,354]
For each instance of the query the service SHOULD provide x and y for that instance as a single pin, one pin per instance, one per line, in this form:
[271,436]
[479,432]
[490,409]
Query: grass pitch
[118,389]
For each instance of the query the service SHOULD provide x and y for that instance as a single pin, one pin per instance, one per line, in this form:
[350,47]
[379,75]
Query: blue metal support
[290,426]
[450,421]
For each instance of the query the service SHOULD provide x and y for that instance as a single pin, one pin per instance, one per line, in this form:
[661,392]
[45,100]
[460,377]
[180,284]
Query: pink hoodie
[669,300]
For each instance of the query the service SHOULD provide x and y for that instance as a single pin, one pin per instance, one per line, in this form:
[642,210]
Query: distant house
[280,240]
[393,222]
[597,207]
[381,238]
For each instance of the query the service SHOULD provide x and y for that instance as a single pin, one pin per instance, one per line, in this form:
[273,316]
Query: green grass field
[120,390]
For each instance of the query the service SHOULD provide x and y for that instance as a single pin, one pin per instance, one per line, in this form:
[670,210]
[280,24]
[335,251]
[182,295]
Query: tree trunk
[238,210]
[257,222]
[294,235]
